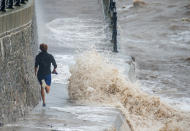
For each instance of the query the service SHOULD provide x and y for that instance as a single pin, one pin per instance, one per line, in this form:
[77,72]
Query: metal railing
[9,4]
[113,14]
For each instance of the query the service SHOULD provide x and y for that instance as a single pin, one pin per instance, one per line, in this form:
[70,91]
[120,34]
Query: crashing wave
[96,81]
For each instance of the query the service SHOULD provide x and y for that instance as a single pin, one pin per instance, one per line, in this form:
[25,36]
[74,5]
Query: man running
[43,61]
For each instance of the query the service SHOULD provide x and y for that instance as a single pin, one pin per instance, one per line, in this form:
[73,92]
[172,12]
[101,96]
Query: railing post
[10,4]
[2,8]
[114,35]
[113,5]
[17,3]
[110,7]
[22,2]
[113,20]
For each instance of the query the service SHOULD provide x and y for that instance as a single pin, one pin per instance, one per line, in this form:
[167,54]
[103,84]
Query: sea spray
[94,80]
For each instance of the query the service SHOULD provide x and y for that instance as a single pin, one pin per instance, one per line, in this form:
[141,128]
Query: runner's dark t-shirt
[44,60]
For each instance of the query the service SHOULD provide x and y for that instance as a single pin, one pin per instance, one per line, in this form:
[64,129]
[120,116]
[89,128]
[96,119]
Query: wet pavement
[61,114]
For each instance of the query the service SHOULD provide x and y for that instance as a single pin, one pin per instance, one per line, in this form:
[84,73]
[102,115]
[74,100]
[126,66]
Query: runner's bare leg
[43,95]
[47,89]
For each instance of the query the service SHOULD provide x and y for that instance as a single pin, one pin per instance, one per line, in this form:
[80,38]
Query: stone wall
[19,90]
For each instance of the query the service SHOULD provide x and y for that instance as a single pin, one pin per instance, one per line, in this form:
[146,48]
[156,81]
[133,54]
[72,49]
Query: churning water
[158,37]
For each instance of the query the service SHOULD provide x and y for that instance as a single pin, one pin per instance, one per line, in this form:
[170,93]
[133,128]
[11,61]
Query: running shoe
[44,105]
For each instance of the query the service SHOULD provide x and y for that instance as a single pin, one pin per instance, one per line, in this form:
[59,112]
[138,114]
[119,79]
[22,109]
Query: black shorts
[47,79]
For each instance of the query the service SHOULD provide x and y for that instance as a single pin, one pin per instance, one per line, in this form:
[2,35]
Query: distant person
[43,63]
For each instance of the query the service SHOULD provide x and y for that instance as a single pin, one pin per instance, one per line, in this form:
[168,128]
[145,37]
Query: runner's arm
[36,66]
[36,69]
[54,64]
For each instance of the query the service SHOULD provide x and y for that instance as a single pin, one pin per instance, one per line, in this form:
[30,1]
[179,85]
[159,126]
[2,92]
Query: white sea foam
[77,32]
[63,62]
[182,103]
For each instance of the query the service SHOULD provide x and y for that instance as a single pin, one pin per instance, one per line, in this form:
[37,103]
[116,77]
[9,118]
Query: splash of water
[77,32]
[94,80]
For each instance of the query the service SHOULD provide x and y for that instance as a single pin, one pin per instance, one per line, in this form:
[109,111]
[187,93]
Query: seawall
[19,90]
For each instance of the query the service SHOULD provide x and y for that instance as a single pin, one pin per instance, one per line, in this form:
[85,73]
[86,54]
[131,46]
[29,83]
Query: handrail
[17,18]
[9,4]
[113,13]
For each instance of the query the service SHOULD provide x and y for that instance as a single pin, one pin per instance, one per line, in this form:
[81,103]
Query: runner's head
[43,47]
